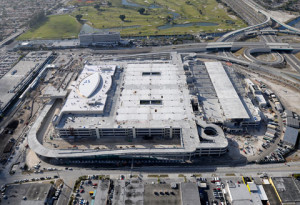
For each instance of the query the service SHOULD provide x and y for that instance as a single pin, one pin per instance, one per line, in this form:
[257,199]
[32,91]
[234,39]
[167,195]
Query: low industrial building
[287,189]
[29,194]
[13,83]
[291,136]
[270,192]
[292,119]
[189,194]
[240,194]
[257,192]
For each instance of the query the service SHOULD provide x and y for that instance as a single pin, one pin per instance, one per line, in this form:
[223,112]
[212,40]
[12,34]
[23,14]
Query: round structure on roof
[89,84]
[210,131]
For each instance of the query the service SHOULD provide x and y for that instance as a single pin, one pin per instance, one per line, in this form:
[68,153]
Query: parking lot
[156,194]
[86,191]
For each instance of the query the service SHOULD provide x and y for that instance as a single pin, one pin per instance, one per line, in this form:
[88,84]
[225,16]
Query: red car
[95,184]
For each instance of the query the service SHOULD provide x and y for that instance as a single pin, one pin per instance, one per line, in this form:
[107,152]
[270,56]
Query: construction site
[165,105]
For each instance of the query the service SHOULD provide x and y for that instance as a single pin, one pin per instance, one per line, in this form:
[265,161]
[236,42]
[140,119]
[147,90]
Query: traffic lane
[293,61]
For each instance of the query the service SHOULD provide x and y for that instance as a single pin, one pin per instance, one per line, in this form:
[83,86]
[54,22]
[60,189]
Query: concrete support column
[171,132]
[97,133]
[133,133]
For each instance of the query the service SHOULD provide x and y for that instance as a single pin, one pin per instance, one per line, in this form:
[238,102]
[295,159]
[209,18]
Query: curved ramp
[278,62]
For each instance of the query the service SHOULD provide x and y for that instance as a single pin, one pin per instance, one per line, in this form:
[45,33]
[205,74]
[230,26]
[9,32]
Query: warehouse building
[287,189]
[292,119]
[240,194]
[291,136]
[29,194]
[189,194]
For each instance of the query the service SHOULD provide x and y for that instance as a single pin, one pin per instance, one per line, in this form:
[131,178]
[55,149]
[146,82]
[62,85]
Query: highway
[290,58]
[293,61]
[250,65]
[247,10]
[198,47]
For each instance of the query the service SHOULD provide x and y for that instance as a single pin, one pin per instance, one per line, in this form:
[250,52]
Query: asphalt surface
[293,61]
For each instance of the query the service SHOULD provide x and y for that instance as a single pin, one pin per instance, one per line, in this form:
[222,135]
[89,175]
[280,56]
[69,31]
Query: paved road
[293,61]
[70,176]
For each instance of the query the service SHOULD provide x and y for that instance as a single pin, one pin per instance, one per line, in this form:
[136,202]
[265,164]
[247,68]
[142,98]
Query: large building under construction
[143,102]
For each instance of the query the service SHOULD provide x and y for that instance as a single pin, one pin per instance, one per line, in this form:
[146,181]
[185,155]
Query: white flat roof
[89,84]
[227,95]
[89,93]
[166,87]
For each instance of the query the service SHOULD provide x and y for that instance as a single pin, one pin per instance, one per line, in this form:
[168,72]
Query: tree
[78,17]
[37,19]
[141,11]
[97,6]
[122,17]
[169,19]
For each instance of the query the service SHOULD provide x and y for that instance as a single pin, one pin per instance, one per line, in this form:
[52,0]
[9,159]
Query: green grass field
[55,27]
[190,11]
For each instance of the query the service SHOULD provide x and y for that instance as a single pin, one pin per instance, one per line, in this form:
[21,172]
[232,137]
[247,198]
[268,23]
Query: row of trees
[37,19]
[79,17]
[122,17]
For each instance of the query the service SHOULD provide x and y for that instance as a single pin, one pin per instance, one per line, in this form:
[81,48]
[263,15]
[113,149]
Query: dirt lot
[289,97]
[295,157]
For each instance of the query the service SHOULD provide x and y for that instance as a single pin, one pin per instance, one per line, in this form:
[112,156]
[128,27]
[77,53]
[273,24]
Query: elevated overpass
[239,31]
[259,9]
[11,37]
[232,46]
[266,23]
[255,67]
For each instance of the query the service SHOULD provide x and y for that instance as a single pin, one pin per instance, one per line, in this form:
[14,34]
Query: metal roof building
[189,194]
[292,122]
[291,136]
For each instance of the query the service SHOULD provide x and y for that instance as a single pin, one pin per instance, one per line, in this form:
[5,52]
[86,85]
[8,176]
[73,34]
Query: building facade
[99,39]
